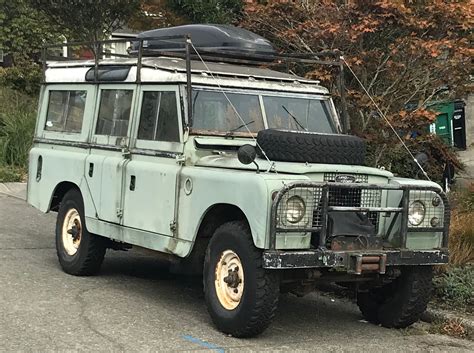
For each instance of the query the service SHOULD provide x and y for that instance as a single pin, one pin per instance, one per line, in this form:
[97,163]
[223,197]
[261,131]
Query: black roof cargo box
[217,39]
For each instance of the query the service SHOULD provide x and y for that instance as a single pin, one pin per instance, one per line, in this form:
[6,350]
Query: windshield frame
[260,93]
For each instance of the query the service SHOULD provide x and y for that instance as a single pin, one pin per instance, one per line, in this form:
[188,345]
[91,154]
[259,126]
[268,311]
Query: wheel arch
[214,216]
[58,193]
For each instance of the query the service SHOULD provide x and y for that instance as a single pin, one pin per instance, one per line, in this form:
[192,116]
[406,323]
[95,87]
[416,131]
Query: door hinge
[180,159]
[126,153]
[119,212]
[173,226]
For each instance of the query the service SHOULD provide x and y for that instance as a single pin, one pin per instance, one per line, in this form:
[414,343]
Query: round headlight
[295,209]
[416,213]
[436,201]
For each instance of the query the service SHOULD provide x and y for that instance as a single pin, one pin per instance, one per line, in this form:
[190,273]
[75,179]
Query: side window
[65,111]
[159,117]
[114,112]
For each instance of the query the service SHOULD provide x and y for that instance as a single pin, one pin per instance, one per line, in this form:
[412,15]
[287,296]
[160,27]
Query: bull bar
[355,261]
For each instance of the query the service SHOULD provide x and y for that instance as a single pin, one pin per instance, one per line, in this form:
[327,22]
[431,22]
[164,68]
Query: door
[152,173]
[105,165]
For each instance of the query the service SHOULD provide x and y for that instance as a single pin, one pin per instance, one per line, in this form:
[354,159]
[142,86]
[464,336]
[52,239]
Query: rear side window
[159,117]
[114,112]
[65,111]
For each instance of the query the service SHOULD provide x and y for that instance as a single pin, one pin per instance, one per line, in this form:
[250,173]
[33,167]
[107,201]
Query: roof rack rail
[96,53]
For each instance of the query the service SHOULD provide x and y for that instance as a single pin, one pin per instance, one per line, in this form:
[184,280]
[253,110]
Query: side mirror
[246,154]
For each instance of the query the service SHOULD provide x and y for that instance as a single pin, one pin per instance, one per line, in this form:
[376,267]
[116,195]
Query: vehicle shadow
[152,280]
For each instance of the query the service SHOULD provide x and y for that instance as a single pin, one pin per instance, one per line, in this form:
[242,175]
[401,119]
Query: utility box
[450,124]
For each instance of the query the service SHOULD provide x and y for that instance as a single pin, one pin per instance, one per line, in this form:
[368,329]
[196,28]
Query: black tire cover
[301,146]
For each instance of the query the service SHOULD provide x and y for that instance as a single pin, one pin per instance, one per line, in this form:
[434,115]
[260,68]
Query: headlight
[295,209]
[416,213]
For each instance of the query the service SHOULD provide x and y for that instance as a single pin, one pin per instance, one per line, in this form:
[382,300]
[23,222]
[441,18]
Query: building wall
[470,121]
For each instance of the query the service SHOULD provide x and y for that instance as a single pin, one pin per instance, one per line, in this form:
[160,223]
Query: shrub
[455,287]
[17,124]
[10,174]
[461,234]
[24,77]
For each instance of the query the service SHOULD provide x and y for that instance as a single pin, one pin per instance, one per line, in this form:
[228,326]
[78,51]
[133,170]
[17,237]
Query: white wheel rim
[229,280]
[71,232]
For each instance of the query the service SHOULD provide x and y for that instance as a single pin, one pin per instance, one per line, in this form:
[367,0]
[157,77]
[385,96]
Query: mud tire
[259,301]
[400,303]
[91,251]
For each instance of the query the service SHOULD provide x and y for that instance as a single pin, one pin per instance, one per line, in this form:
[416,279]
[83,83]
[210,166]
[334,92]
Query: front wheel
[79,252]
[241,296]
[400,303]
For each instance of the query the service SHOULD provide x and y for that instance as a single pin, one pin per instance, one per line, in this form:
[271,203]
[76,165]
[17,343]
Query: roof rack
[96,49]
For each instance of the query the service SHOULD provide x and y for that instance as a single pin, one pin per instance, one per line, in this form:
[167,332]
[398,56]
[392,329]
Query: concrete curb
[432,315]
[16,190]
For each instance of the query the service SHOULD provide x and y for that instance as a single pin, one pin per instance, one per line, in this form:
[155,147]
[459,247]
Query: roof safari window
[114,112]
[65,111]
[159,117]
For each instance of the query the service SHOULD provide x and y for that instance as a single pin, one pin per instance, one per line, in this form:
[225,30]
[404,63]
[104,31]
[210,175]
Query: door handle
[91,169]
[132,182]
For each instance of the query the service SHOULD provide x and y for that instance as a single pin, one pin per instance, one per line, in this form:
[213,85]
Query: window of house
[65,111]
[159,117]
[114,112]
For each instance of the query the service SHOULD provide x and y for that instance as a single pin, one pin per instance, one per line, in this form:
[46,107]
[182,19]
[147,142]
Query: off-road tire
[260,295]
[401,302]
[300,146]
[91,251]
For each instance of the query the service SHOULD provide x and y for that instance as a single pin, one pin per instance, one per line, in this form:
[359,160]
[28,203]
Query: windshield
[298,114]
[213,111]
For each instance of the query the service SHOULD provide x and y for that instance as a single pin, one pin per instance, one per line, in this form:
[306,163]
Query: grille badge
[344,178]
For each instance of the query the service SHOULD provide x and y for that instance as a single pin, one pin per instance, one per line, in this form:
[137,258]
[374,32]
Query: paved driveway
[135,304]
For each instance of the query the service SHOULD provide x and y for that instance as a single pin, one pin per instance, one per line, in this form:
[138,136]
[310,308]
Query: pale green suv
[239,172]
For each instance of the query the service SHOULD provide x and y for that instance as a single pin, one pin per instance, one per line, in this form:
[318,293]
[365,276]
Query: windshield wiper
[294,118]
[228,133]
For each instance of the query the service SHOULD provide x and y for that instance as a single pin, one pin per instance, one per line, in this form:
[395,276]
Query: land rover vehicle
[238,170]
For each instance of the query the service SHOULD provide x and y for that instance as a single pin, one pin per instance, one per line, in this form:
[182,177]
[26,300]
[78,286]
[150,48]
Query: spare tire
[301,146]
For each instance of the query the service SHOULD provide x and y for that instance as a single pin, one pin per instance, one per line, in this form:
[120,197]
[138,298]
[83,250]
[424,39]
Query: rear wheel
[79,252]
[241,296]
[401,302]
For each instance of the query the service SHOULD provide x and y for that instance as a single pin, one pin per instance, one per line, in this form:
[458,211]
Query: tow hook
[360,263]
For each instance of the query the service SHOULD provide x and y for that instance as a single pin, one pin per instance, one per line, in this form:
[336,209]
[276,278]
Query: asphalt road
[135,304]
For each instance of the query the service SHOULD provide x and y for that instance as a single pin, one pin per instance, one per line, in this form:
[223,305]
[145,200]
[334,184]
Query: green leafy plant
[455,287]
[17,124]
[10,174]
[24,77]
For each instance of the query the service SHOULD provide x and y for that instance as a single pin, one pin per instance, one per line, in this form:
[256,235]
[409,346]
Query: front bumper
[352,261]
[327,197]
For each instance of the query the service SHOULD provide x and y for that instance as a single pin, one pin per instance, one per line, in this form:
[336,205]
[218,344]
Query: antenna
[385,118]
[244,124]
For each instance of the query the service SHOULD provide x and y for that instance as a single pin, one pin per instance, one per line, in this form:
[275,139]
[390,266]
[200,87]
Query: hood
[229,160]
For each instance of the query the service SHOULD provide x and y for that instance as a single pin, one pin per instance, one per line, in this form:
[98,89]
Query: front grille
[359,178]
[351,197]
